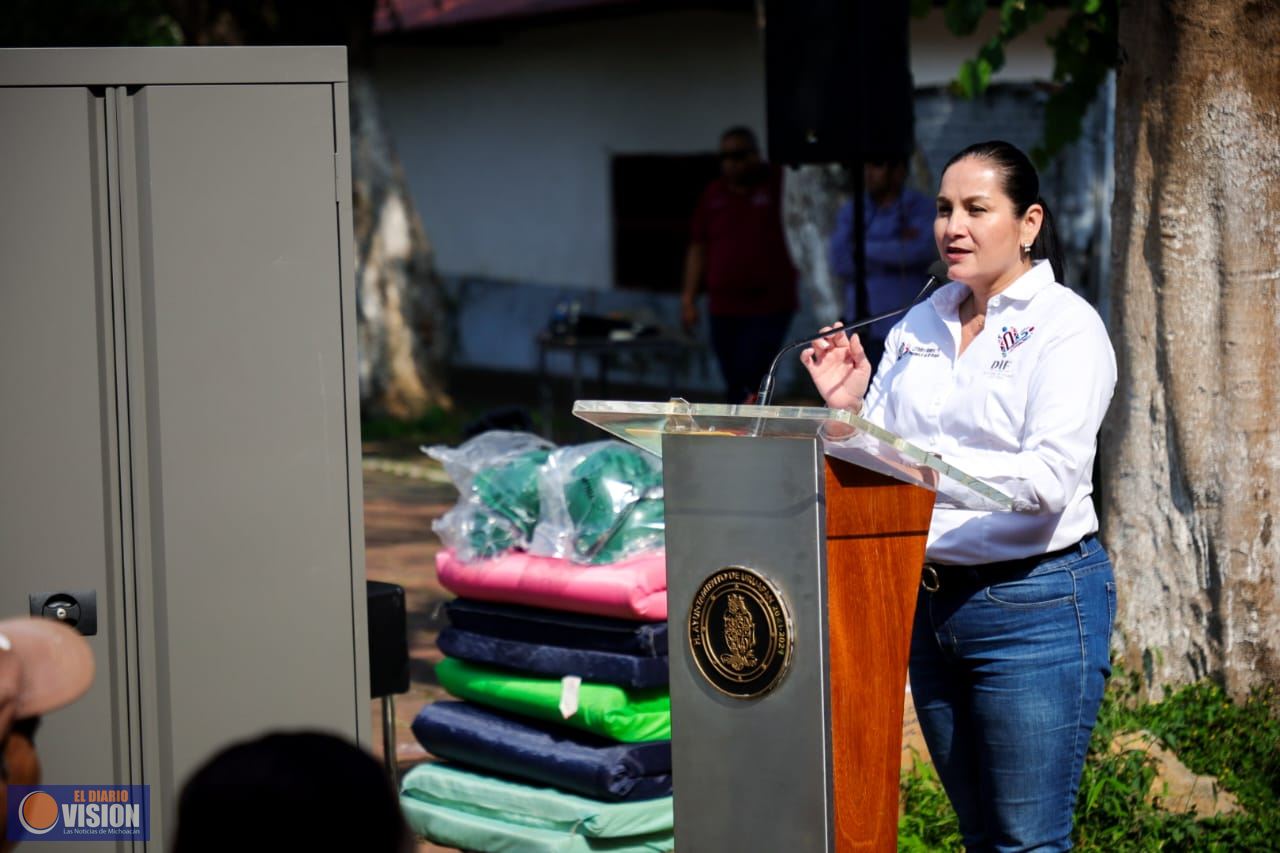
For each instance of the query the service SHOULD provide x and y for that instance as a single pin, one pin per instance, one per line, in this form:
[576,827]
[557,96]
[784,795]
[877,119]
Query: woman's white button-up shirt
[1020,409]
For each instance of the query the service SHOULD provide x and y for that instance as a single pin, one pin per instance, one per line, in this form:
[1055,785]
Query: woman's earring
[1026,248]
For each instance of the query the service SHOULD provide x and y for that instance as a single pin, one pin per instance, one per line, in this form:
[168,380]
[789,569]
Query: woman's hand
[839,368]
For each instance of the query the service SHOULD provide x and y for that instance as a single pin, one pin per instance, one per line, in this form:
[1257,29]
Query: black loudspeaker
[838,80]
[388,640]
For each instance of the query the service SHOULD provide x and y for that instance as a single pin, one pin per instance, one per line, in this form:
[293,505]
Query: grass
[477,397]
[1237,742]
[437,424]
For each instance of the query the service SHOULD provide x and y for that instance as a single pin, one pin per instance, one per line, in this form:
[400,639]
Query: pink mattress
[635,588]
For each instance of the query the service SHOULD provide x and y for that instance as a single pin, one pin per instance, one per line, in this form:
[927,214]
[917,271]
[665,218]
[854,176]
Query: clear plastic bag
[475,532]
[600,503]
[486,450]
[497,475]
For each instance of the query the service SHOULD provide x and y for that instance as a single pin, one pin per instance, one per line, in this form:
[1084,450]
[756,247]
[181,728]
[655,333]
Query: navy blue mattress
[539,659]
[558,628]
[524,749]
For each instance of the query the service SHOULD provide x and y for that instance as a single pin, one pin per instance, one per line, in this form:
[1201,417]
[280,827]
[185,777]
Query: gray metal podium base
[750,774]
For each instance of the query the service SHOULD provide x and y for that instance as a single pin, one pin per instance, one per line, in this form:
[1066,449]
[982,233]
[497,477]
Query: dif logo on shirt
[78,813]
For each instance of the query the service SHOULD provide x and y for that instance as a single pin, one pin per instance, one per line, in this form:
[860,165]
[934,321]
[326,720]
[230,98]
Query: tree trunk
[811,198]
[1191,449]
[401,310]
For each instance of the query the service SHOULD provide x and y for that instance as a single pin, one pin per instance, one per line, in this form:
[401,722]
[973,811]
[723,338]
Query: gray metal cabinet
[180,430]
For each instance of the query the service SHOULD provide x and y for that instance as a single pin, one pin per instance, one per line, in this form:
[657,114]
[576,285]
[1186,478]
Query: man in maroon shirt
[738,250]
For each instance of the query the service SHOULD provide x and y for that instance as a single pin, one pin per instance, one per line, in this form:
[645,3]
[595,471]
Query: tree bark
[401,311]
[811,198]
[1191,449]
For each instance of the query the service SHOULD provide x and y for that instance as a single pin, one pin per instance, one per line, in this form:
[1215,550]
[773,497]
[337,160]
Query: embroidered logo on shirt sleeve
[919,350]
[1011,338]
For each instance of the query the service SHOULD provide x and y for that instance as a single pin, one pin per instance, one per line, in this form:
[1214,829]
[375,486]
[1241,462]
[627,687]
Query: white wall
[506,141]
[506,145]
[936,54]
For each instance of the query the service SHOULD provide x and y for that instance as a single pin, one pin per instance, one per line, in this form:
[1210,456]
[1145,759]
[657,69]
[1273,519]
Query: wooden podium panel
[876,532]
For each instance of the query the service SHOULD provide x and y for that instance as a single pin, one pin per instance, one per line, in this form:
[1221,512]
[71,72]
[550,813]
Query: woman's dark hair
[1022,185]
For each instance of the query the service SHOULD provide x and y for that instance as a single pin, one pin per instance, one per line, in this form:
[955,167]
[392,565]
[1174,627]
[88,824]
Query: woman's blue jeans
[1007,677]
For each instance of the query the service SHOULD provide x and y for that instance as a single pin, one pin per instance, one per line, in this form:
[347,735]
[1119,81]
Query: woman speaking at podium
[1006,374]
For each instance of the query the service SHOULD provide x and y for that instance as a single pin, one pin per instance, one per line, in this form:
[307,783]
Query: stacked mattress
[559,738]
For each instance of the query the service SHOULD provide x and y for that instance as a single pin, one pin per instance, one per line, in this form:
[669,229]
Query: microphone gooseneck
[937,274]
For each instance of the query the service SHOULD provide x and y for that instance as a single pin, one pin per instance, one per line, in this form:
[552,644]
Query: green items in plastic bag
[601,503]
[497,476]
[642,528]
[592,503]
[602,495]
[511,490]
[628,716]
[486,535]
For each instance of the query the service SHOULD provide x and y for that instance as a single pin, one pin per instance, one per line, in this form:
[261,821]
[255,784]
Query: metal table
[672,348]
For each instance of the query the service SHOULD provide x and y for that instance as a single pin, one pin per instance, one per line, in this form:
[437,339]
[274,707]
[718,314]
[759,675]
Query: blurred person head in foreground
[284,789]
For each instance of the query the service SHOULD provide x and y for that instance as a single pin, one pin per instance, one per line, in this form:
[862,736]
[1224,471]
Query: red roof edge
[398,16]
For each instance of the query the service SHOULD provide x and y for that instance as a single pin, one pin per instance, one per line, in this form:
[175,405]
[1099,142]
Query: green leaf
[993,53]
[1094,790]
[962,16]
[1085,48]
[1013,19]
[973,78]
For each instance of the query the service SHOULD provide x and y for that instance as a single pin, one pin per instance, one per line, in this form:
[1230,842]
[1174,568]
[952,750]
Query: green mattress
[618,713]
[458,808]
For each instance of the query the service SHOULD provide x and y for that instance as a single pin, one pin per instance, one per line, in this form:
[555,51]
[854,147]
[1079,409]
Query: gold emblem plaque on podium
[795,540]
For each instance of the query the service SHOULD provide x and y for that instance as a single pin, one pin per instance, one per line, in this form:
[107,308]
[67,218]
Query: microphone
[937,275]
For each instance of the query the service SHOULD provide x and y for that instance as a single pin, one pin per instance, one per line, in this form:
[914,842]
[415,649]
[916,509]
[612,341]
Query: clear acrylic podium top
[844,436]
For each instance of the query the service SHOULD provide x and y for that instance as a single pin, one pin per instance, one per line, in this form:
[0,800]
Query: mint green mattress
[458,808]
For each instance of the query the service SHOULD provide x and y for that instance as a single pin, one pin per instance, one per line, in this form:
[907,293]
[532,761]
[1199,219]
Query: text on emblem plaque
[740,632]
